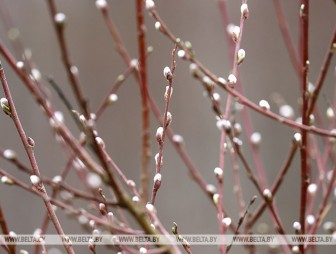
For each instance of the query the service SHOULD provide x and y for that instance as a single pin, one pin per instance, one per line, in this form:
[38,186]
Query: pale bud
[60,19]
[297,139]
[121,77]
[12,234]
[57,179]
[211,188]
[112,98]
[156,157]
[237,128]
[100,142]
[157,25]
[208,82]
[93,180]
[150,207]
[332,139]
[36,74]
[181,53]
[150,4]
[82,119]
[6,180]
[264,105]
[244,10]
[92,223]
[167,73]
[35,180]
[330,113]
[310,219]
[286,111]
[268,195]
[135,199]
[312,188]
[297,226]
[234,31]
[167,91]
[178,139]
[255,138]
[241,55]
[222,81]
[311,88]
[110,216]
[295,249]
[223,123]
[159,134]
[101,4]
[215,198]
[102,208]
[5,106]
[232,79]
[157,177]
[311,119]
[83,220]
[218,172]
[238,142]
[329,226]
[9,154]
[143,250]
[131,183]
[169,118]
[193,69]
[227,221]
[216,96]
[134,63]
[19,65]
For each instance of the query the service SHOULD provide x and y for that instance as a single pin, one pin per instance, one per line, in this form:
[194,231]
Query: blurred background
[266,70]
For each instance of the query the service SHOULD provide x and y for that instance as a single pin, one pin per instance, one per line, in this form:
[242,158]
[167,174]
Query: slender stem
[304,19]
[323,73]
[5,231]
[286,35]
[241,220]
[146,152]
[117,83]
[165,125]
[116,36]
[226,21]
[276,185]
[237,188]
[226,116]
[72,74]
[323,204]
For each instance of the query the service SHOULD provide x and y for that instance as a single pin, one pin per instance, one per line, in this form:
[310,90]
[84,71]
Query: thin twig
[70,69]
[304,23]
[240,222]
[5,231]
[286,36]
[323,73]
[146,152]
[166,122]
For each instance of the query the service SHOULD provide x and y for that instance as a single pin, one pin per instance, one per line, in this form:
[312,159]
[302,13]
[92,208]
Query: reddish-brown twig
[304,23]
[146,152]
[160,136]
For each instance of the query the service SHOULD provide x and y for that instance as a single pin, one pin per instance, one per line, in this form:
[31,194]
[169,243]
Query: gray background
[266,70]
